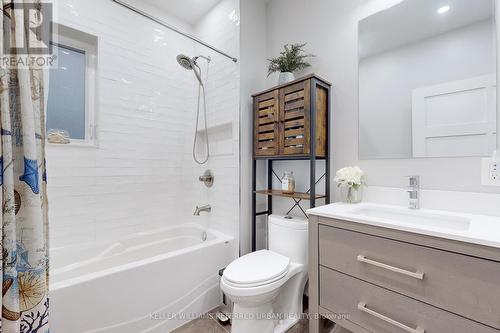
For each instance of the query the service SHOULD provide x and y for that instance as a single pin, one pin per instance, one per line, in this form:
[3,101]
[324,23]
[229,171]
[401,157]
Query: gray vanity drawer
[457,283]
[382,311]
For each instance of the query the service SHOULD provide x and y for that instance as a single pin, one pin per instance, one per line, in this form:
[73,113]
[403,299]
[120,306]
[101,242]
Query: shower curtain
[24,222]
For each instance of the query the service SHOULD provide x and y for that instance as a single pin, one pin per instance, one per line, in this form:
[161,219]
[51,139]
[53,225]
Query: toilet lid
[257,267]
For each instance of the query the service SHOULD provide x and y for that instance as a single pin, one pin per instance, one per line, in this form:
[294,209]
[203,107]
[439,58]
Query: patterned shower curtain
[24,222]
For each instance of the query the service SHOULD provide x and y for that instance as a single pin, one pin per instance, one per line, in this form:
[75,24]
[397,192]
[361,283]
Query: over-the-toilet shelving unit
[291,122]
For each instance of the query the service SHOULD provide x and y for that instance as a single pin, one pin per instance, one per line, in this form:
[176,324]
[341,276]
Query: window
[71,104]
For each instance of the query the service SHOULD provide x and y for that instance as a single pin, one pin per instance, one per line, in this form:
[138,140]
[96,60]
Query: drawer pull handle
[362,307]
[417,275]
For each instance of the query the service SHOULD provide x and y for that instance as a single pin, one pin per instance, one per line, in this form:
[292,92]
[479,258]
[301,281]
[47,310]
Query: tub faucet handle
[207,178]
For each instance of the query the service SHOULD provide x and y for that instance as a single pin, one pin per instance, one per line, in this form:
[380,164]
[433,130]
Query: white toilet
[266,287]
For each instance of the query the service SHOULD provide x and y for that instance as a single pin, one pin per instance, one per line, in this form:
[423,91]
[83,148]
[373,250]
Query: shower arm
[203,57]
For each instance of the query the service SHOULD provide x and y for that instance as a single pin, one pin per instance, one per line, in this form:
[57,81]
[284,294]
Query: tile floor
[210,324]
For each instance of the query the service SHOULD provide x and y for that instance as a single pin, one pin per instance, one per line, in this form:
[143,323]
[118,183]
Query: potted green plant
[291,60]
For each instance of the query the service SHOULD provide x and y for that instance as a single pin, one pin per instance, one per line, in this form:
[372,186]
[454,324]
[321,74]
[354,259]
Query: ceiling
[190,11]
[415,20]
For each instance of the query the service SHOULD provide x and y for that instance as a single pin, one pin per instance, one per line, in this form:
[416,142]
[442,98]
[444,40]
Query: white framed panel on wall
[455,118]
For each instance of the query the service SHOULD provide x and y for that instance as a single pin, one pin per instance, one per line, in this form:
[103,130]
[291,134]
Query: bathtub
[151,281]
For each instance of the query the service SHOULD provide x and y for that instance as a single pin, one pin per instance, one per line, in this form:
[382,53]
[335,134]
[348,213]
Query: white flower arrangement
[350,180]
[352,177]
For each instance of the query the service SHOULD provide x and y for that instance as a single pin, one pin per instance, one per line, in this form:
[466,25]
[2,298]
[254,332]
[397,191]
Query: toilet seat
[256,269]
[254,285]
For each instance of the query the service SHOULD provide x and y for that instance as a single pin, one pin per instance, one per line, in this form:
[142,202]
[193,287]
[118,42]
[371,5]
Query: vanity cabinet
[382,280]
[292,119]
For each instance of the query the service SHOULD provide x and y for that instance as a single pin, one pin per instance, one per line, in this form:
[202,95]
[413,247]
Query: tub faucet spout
[198,210]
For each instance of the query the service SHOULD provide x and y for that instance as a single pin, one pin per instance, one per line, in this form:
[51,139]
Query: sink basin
[462,227]
[416,218]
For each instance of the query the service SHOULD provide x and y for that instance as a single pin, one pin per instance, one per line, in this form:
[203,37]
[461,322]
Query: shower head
[185,61]
[191,65]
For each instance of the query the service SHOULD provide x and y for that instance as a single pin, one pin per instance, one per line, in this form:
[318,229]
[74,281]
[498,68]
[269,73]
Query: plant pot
[351,195]
[285,77]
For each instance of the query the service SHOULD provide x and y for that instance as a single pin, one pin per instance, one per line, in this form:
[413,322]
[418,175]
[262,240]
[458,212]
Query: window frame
[80,41]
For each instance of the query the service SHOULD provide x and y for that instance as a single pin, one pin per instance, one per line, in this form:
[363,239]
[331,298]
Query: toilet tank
[289,237]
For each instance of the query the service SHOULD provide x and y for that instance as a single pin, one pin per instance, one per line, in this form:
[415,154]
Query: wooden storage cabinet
[292,120]
[291,123]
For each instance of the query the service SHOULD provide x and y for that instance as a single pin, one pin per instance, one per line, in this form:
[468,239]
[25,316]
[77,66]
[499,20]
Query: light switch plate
[489,172]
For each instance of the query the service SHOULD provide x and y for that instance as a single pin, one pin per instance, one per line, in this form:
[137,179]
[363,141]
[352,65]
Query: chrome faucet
[198,210]
[414,191]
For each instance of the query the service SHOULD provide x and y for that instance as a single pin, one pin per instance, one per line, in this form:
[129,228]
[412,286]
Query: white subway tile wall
[141,175]
[221,27]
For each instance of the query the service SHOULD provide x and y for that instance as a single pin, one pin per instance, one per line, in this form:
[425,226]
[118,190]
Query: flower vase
[351,195]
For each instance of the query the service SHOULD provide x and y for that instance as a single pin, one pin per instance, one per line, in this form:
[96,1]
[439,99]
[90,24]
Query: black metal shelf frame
[312,158]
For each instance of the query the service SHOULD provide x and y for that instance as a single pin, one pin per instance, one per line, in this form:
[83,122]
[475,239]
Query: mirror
[427,80]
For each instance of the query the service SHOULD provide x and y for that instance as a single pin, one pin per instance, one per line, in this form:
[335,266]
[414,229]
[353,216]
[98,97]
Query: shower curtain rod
[173,28]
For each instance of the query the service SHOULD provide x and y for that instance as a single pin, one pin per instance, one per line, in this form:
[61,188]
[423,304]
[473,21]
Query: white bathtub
[137,284]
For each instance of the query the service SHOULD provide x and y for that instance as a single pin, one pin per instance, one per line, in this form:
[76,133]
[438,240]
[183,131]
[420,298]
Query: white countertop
[481,230]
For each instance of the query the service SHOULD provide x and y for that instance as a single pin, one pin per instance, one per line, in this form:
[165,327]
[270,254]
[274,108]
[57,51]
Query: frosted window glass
[66,103]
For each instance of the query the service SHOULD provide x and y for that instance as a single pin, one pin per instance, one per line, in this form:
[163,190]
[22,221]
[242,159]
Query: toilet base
[274,312]
[250,319]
